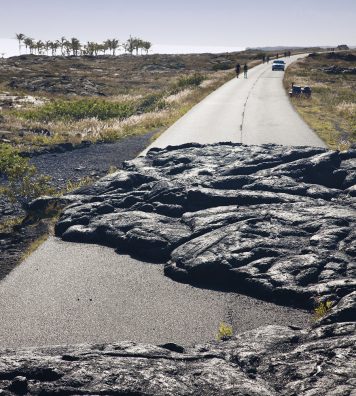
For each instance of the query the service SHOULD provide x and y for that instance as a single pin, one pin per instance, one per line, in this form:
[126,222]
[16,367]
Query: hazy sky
[182,22]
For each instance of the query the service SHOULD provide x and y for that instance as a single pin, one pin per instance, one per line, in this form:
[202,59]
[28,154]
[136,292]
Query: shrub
[322,309]
[222,66]
[225,332]
[151,103]
[191,80]
[22,183]
[79,109]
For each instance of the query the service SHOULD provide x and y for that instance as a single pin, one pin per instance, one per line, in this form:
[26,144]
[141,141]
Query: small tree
[47,46]
[130,45]
[225,332]
[75,46]
[39,46]
[20,37]
[146,45]
[28,44]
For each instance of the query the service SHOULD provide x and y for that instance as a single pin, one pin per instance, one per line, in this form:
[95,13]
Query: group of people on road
[238,68]
[264,59]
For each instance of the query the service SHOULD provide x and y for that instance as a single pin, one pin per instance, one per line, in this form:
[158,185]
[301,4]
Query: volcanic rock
[268,361]
[63,84]
[271,221]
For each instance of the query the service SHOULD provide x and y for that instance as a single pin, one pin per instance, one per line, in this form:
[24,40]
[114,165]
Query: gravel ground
[93,161]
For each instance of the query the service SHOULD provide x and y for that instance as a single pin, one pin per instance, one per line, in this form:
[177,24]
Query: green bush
[225,332]
[80,109]
[222,66]
[11,163]
[151,102]
[322,309]
[22,182]
[191,80]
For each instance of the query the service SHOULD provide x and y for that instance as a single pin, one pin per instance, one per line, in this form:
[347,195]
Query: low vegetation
[8,224]
[322,308]
[225,332]
[106,119]
[21,182]
[79,109]
[331,110]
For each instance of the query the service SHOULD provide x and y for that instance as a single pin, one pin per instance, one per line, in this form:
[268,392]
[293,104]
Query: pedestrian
[267,59]
[245,70]
[237,70]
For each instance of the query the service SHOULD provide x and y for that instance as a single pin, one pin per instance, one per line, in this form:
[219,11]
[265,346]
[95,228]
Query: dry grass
[75,131]
[33,246]
[347,109]
[122,79]
[331,110]
[7,224]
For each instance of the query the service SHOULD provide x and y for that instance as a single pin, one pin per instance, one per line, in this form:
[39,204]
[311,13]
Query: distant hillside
[282,48]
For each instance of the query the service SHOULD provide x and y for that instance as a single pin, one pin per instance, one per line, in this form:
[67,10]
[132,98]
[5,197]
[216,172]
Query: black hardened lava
[270,221]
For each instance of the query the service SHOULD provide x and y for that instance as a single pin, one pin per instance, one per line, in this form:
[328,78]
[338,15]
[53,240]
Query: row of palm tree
[73,46]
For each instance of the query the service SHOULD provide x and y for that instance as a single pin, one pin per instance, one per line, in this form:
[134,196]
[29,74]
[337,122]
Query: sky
[184,23]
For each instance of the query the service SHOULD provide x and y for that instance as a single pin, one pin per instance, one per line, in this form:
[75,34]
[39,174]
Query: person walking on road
[237,70]
[245,70]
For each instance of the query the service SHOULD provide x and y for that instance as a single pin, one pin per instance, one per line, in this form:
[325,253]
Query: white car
[278,65]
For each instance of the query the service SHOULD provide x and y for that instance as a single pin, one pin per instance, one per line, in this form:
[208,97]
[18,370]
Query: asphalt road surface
[255,110]
[76,293]
[67,293]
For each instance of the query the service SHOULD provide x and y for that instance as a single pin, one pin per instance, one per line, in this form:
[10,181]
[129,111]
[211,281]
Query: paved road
[255,110]
[76,293]
[69,293]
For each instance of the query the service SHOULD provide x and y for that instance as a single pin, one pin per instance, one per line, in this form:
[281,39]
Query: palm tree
[129,46]
[107,43]
[105,46]
[39,46]
[48,45]
[32,46]
[20,37]
[54,46]
[89,48]
[114,45]
[137,44]
[67,47]
[75,45]
[62,42]
[28,43]
[146,46]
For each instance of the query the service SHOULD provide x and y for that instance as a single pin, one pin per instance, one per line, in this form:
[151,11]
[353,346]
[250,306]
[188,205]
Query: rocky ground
[108,75]
[269,361]
[91,160]
[62,84]
[274,222]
